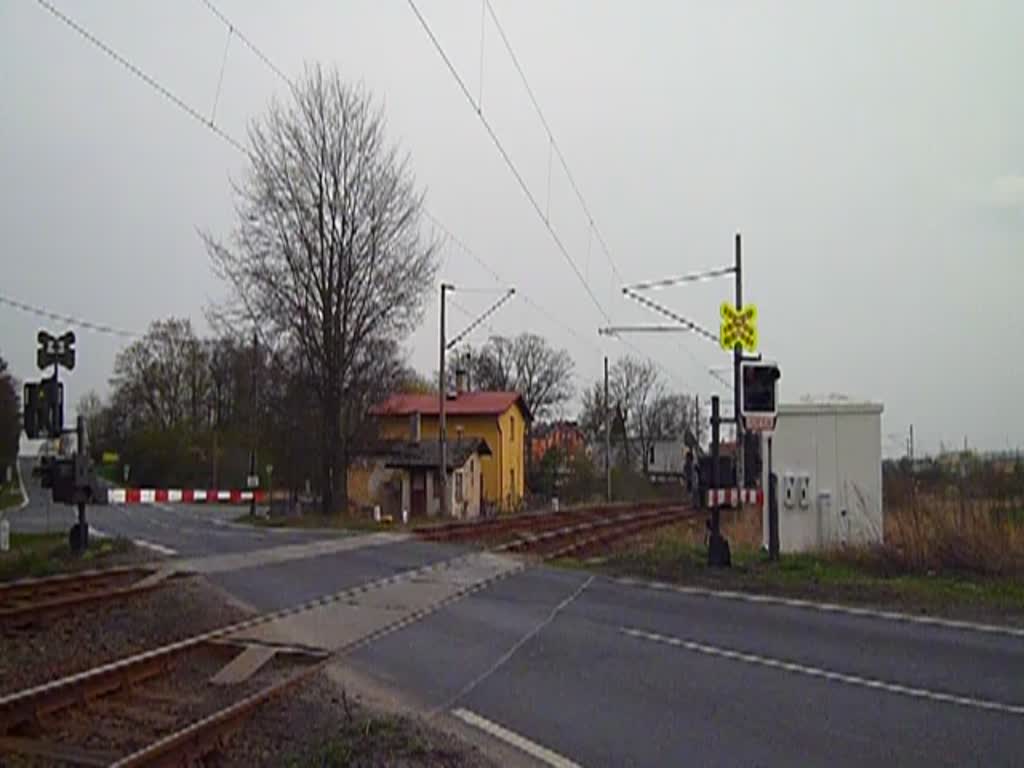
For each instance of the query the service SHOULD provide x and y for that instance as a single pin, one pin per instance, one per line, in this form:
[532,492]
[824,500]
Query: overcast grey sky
[871,153]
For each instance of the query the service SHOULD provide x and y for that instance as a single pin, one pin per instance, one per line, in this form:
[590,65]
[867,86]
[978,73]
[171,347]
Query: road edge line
[523,744]
[849,610]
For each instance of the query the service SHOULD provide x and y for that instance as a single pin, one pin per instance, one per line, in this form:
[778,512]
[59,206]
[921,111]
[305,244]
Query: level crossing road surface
[592,671]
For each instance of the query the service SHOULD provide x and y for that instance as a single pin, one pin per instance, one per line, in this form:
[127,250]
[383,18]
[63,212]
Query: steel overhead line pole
[737,361]
[252,425]
[442,393]
[607,438]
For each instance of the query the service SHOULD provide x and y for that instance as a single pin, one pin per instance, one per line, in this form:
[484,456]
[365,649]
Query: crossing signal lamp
[760,396]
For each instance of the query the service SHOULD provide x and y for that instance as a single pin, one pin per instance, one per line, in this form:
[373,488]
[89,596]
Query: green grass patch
[10,496]
[851,577]
[33,555]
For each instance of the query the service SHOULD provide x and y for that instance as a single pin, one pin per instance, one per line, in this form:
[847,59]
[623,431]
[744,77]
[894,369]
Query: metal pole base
[78,538]
[719,555]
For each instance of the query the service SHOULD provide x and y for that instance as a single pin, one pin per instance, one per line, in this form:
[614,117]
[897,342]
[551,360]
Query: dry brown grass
[945,533]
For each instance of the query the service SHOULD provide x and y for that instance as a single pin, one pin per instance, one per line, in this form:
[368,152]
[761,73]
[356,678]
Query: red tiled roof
[464,404]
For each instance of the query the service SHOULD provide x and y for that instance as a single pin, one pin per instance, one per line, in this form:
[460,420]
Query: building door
[418,497]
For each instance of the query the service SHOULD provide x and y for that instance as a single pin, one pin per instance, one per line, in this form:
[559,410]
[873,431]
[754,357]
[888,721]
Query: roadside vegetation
[365,739]
[10,495]
[33,555]
[954,545]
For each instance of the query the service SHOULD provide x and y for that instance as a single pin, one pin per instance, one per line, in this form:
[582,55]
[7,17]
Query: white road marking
[825,674]
[748,597]
[158,548]
[503,659]
[535,750]
[21,485]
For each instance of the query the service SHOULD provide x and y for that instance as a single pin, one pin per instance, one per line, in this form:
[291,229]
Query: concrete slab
[244,665]
[337,624]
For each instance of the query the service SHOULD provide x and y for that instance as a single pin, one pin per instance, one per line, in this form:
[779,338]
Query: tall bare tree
[527,364]
[161,378]
[328,250]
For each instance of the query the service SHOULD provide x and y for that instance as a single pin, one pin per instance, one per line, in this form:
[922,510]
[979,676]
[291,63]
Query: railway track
[169,706]
[492,529]
[27,600]
[582,537]
[178,703]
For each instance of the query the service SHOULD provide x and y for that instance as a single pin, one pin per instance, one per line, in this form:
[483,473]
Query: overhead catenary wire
[150,81]
[75,321]
[553,142]
[508,160]
[223,135]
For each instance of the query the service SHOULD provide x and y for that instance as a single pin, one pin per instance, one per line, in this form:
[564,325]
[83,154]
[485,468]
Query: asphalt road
[188,530]
[607,674]
[599,673]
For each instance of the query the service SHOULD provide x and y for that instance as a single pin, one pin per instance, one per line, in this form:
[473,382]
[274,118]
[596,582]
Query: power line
[508,160]
[248,43]
[75,321]
[147,79]
[551,138]
[192,112]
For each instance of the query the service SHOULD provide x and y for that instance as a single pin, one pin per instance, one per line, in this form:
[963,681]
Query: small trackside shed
[828,460]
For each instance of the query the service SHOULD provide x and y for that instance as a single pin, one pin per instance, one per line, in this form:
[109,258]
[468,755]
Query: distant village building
[566,436]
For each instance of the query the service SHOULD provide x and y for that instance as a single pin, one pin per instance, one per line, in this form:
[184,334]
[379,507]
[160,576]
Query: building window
[512,431]
[458,487]
[651,455]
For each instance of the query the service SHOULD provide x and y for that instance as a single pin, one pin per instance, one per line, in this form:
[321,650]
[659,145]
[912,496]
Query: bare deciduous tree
[328,251]
[526,364]
[160,378]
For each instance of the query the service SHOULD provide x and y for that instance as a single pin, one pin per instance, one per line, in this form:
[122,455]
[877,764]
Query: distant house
[401,475]
[564,435]
[497,418]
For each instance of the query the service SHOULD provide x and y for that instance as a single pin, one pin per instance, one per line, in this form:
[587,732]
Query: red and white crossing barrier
[181,496]
[728,496]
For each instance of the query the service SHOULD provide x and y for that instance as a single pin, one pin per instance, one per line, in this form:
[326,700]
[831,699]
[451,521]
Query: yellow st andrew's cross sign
[739,326]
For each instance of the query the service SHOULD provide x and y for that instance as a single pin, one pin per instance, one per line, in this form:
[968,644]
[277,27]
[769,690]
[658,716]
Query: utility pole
[718,547]
[607,437]
[442,394]
[252,419]
[737,362]
[911,443]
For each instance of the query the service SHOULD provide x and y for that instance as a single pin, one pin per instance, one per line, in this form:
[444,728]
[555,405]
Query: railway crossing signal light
[43,408]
